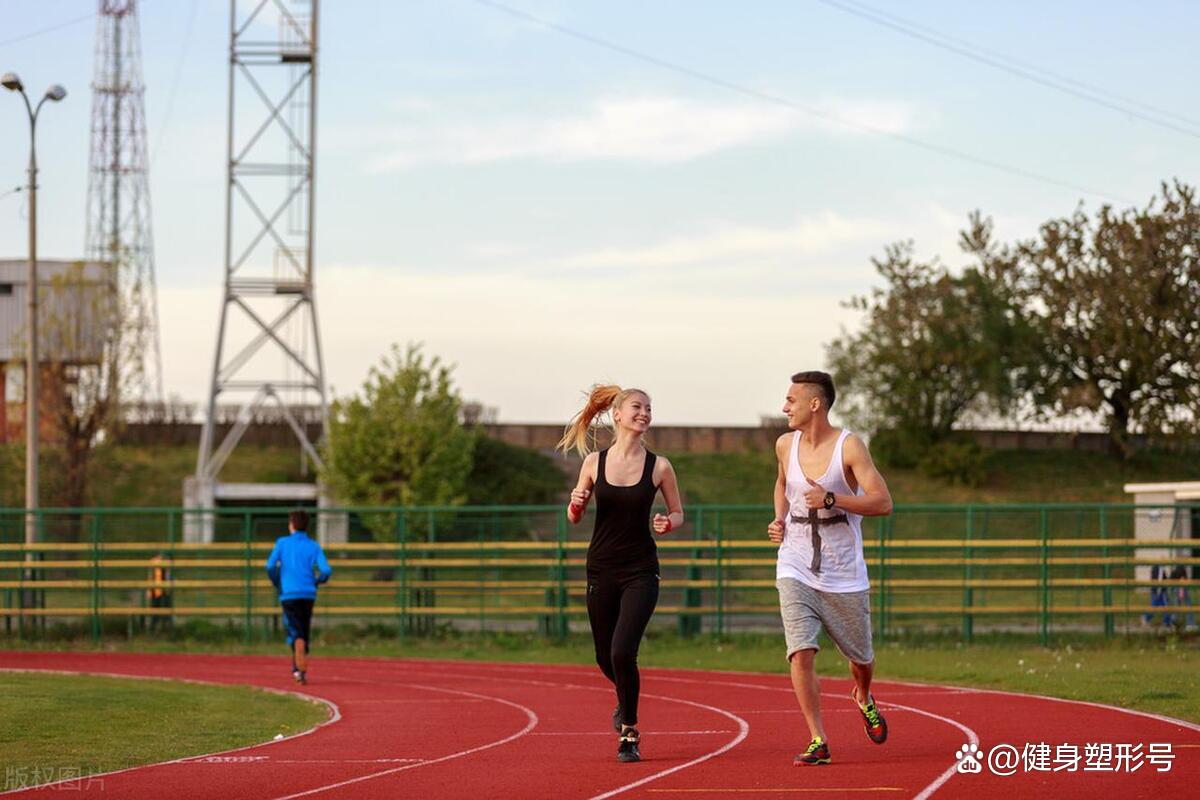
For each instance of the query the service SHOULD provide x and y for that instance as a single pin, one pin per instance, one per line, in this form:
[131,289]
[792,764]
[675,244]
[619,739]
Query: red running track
[454,729]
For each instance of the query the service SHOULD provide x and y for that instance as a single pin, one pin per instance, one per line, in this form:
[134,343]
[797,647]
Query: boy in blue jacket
[296,566]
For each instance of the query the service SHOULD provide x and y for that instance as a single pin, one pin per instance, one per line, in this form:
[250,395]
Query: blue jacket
[291,564]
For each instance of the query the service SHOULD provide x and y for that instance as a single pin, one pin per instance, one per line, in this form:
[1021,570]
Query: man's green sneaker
[873,722]
[817,753]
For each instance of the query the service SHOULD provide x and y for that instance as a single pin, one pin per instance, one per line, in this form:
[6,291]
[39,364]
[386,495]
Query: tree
[933,344]
[509,475]
[87,370]
[401,441]
[1116,301]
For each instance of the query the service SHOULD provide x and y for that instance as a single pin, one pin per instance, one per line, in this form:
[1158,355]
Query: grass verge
[65,727]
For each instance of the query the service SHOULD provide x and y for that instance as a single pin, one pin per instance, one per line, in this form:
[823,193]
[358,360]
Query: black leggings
[619,607]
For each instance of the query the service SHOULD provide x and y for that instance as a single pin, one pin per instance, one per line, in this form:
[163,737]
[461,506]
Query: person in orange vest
[159,592]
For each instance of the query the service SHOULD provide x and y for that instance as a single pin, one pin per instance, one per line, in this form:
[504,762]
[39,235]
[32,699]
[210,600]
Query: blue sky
[546,213]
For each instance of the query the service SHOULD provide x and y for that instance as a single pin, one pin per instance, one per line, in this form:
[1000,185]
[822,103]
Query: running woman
[622,559]
[296,566]
[826,484]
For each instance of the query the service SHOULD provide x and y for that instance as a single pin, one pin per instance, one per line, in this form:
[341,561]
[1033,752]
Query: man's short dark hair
[298,519]
[822,380]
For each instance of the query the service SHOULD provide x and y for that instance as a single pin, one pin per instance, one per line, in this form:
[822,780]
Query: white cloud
[648,129]
[878,116]
[732,242]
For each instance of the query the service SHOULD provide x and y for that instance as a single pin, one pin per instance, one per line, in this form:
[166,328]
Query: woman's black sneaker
[627,749]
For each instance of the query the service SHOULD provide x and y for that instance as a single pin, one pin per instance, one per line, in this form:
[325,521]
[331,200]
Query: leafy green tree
[1116,301]
[401,440]
[933,345]
[508,475]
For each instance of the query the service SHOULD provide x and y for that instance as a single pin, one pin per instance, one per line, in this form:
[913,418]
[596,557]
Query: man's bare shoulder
[855,449]
[853,443]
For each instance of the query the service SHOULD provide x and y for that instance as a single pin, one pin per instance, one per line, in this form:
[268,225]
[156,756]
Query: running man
[296,566]
[826,484]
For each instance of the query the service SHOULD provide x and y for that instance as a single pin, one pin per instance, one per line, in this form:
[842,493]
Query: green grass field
[56,727]
[153,476]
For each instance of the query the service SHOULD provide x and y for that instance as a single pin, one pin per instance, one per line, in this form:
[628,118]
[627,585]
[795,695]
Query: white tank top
[843,568]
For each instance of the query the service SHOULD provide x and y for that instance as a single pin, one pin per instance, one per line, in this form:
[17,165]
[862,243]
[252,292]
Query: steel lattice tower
[268,342]
[118,203]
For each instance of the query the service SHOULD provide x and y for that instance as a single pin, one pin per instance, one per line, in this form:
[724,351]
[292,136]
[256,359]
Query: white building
[1166,511]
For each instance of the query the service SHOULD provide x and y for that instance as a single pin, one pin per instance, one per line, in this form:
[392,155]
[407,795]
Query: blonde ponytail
[601,398]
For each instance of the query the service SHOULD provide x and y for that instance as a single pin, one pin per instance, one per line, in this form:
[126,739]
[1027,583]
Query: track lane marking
[743,732]
[607,733]
[925,793]
[743,727]
[530,725]
[791,789]
[1147,714]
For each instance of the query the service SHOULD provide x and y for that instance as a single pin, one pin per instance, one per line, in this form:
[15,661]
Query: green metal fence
[1032,568]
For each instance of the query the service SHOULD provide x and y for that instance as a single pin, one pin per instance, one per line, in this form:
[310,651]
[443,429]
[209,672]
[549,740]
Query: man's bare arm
[875,500]
[775,529]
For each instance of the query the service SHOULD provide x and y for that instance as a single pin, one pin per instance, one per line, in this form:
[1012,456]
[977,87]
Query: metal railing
[1032,568]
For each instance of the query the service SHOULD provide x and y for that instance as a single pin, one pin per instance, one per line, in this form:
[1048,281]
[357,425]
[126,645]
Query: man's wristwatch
[830,499]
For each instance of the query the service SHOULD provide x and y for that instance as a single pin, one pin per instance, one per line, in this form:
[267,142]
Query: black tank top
[622,538]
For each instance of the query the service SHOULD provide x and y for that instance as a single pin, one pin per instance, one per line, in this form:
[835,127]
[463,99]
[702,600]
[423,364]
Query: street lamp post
[55,93]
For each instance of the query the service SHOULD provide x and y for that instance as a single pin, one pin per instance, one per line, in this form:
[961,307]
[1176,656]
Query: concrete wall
[188,433]
[1048,440]
[665,438]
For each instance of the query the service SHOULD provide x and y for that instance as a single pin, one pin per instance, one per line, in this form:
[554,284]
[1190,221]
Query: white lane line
[264,759]
[952,770]
[972,737]
[386,701]
[928,791]
[933,690]
[529,714]
[743,726]
[743,732]
[824,711]
[347,760]
[335,715]
[1147,714]
[608,733]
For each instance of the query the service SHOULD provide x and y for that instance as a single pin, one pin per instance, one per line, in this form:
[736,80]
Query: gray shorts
[845,616]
